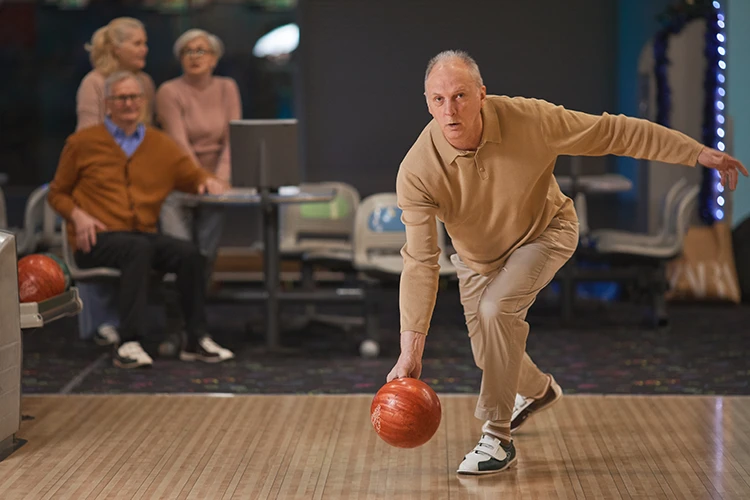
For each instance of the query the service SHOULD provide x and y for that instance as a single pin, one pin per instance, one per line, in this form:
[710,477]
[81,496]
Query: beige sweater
[90,107]
[504,194]
[198,120]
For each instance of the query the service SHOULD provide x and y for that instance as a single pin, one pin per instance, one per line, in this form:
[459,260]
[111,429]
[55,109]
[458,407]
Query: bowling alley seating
[640,260]
[376,258]
[319,227]
[609,236]
[325,229]
[41,225]
[379,236]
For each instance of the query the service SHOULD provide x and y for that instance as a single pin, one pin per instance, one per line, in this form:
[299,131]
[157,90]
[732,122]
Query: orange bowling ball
[39,278]
[405,412]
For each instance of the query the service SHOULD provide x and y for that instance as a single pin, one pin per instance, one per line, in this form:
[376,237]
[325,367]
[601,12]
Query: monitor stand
[265,168]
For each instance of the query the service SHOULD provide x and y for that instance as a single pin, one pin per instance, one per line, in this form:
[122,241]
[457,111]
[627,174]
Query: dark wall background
[362,69]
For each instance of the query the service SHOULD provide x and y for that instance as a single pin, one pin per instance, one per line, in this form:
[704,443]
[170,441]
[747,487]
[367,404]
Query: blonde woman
[195,110]
[120,45]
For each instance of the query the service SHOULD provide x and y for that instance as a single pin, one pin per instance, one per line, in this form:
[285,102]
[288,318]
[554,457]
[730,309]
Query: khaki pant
[495,307]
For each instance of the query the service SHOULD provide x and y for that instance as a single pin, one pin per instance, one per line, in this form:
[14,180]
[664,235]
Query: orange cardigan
[125,194]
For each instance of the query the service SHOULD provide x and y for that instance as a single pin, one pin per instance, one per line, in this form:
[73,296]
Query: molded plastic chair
[320,226]
[41,224]
[379,236]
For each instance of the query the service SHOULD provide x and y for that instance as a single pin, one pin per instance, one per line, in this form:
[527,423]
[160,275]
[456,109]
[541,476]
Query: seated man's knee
[140,250]
[189,252]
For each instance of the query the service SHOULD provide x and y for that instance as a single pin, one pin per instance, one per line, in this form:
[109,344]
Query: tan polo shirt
[504,194]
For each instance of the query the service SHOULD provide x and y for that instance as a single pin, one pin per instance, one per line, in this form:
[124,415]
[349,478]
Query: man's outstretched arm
[575,133]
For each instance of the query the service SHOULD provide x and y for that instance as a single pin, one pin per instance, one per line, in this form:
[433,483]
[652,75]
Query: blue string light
[712,201]
[714,123]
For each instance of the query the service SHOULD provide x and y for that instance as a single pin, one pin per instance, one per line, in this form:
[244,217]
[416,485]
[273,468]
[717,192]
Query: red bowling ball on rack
[39,278]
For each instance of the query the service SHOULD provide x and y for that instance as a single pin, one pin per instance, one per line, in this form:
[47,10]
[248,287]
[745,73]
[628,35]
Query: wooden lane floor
[323,447]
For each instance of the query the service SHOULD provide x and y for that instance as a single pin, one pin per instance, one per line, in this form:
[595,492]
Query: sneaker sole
[128,366]
[488,472]
[195,357]
[538,411]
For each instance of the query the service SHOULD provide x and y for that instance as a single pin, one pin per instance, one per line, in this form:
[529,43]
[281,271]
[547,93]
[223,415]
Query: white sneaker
[106,334]
[131,355]
[489,456]
[207,351]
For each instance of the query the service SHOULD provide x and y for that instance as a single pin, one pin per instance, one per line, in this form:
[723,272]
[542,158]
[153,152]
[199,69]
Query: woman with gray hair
[195,110]
[120,45]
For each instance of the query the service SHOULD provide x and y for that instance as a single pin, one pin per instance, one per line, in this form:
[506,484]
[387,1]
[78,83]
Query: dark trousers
[137,256]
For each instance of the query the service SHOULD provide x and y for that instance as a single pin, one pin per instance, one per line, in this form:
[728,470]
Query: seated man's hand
[729,168]
[213,185]
[86,227]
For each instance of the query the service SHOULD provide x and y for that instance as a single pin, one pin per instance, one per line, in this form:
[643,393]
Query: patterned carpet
[607,351]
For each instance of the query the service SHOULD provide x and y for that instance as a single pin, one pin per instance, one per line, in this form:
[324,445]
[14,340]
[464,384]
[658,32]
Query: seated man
[109,186]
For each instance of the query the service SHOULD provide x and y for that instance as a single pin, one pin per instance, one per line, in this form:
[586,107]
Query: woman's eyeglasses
[196,52]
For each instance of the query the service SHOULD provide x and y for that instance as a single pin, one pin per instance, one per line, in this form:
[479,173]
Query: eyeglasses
[196,52]
[123,98]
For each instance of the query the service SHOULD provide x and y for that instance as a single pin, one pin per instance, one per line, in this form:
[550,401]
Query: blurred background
[351,72]
[355,80]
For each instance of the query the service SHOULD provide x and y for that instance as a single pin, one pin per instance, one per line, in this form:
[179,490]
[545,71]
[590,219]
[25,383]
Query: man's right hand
[86,227]
[409,363]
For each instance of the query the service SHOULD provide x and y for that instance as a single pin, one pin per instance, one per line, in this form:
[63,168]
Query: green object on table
[336,209]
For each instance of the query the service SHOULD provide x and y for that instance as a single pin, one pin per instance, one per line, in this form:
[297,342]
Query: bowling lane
[324,447]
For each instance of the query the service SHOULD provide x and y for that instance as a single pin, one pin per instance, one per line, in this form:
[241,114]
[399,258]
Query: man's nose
[450,108]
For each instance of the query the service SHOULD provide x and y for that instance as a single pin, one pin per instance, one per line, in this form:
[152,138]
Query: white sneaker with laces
[131,355]
[206,350]
[106,334]
[211,346]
